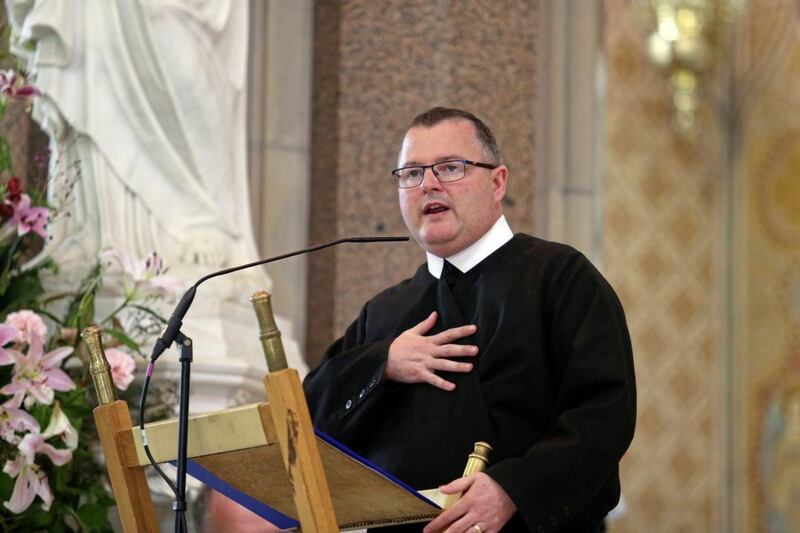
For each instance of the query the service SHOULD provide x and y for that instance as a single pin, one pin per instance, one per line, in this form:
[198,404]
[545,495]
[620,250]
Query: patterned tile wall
[685,257]
[662,253]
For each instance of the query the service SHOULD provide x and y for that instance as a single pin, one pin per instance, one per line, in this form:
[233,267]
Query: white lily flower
[60,426]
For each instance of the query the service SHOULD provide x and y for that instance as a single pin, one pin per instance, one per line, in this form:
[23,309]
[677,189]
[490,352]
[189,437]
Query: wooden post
[292,421]
[300,452]
[113,421]
[129,483]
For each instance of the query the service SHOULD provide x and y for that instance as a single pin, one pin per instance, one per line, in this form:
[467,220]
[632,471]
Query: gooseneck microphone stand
[185,358]
[172,333]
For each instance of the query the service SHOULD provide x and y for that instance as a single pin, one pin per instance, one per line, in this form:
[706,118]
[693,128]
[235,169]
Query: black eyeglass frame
[436,174]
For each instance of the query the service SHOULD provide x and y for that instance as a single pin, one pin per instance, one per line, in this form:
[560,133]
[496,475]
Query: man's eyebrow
[451,157]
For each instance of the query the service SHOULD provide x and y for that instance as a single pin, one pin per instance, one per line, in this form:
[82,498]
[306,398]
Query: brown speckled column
[28,144]
[376,65]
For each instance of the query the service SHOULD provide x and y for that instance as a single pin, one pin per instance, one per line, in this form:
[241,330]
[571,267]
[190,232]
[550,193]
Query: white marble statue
[149,97]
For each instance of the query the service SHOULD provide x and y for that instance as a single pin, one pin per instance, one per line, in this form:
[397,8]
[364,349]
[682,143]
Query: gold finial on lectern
[478,459]
[269,334]
[98,366]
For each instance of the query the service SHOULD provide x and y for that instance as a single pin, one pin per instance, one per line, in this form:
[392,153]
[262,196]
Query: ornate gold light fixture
[688,38]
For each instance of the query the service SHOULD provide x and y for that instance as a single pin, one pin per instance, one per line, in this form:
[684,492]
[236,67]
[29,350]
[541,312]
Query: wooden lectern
[268,452]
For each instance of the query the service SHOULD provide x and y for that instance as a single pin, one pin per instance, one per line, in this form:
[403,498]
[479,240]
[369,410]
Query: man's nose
[429,180]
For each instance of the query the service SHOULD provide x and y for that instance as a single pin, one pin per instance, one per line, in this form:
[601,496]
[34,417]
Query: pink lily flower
[27,218]
[13,421]
[144,277]
[7,334]
[39,374]
[27,323]
[14,86]
[31,479]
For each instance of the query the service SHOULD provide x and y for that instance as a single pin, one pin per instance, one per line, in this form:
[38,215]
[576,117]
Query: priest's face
[447,217]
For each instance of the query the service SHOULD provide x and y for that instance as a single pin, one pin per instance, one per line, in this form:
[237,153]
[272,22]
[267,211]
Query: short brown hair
[485,137]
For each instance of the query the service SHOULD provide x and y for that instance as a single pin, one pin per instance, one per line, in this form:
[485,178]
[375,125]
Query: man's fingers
[464,523]
[446,518]
[444,522]
[449,335]
[447,365]
[455,350]
[425,326]
[459,485]
[440,383]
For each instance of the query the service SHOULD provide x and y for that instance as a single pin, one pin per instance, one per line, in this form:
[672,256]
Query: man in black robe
[501,338]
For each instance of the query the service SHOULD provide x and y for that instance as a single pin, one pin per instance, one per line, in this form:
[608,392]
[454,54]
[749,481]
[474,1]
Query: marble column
[279,138]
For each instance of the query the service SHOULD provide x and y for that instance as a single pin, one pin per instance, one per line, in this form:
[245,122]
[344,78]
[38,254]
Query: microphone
[172,329]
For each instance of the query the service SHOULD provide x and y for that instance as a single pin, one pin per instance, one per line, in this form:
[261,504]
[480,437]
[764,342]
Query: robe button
[361,394]
[349,404]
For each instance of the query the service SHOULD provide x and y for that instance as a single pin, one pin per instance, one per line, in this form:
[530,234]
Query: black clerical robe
[552,389]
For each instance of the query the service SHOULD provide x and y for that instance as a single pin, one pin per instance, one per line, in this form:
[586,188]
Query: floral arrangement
[50,478]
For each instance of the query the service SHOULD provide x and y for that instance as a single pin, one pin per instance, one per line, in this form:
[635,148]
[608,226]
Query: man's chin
[437,245]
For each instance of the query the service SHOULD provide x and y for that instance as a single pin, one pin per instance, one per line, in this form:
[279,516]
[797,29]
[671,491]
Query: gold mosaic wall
[662,253]
[702,241]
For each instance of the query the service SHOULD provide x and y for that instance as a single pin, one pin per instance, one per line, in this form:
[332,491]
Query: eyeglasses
[445,171]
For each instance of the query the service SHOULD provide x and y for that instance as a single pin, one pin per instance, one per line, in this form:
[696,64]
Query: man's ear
[499,179]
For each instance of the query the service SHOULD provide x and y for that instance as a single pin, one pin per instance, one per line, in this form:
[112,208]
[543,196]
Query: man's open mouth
[434,208]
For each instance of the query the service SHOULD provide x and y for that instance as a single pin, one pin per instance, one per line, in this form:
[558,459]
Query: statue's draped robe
[148,96]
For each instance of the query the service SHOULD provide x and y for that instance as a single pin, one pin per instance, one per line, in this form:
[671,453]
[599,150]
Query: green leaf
[62,480]
[6,372]
[124,339]
[81,310]
[38,517]
[94,516]
[6,486]
[73,398]
[75,406]
[74,514]
[104,498]
[5,262]
[55,516]
[57,526]
[22,292]
[42,414]
[5,154]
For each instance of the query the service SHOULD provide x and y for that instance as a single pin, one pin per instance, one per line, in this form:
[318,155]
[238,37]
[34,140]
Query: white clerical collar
[499,234]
